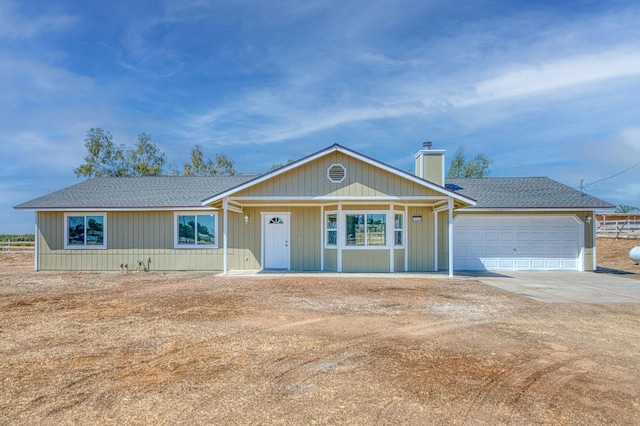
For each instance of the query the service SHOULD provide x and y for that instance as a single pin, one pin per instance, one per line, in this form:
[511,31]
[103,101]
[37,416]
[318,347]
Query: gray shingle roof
[524,192]
[137,192]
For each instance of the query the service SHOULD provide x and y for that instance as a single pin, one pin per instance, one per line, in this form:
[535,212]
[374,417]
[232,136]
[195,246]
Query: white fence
[17,246]
[619,228]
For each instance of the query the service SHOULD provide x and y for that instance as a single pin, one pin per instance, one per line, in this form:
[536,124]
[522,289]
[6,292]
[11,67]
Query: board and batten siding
[362,180]
[137,236]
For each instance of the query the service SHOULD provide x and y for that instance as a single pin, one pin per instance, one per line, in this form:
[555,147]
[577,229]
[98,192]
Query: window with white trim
[398,230]
[331,225]
[195,230]
[366,229]
[85,231]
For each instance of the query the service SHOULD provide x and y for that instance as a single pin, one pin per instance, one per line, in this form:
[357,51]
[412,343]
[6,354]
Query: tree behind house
[476,168]
[201,166]
[105,158]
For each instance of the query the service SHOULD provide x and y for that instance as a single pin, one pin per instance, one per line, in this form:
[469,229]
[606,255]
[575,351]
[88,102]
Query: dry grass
[190,348]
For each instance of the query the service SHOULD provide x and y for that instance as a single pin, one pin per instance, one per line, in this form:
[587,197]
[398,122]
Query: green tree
[145,158]
[625,208]
[105,158]
[477,168]
[204,166]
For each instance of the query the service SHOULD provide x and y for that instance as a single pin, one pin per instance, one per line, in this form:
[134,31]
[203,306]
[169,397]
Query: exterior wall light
[246,219]
[589,218]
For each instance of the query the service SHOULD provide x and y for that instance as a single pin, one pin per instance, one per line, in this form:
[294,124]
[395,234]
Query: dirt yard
[194,348]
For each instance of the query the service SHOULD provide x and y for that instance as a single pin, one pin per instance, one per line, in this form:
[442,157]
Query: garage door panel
[525,242]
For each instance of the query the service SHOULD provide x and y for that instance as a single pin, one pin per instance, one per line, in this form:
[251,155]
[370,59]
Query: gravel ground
[195,348]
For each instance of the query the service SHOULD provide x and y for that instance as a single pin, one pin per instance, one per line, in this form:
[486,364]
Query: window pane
[332,221]
[332,238]
[355,230]
[95,230]
[75,231]
[206,229]
[398,221]
[186,229]
[376,229]
[398,238]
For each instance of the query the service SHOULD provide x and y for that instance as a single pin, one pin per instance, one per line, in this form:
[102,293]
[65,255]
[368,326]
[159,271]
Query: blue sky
[542,88]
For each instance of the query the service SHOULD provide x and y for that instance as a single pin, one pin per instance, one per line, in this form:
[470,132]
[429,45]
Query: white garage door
[510,242]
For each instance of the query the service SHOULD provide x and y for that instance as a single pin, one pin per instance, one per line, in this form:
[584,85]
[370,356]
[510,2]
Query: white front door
[275,241]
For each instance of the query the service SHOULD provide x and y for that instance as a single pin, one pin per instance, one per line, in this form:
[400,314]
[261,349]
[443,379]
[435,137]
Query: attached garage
[518,242]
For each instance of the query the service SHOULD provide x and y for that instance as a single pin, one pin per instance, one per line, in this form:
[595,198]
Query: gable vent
[336,173]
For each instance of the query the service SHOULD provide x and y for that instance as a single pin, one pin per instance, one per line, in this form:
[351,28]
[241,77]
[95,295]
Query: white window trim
[342,224]
[67,246]
[326,230]
[403,229]
[195,246]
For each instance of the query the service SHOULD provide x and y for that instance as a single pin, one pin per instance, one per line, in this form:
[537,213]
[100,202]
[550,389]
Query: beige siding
[420,239]
[398,260]
[365,260]
[330,260]
[362,179]
[139,236]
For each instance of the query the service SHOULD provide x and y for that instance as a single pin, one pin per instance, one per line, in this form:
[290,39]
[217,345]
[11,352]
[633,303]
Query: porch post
[450,236]
[225,228]
[405,235]
[341,237]
[435,241]
[322,225]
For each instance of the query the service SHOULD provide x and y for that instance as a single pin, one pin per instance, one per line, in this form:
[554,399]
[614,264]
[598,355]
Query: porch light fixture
[589,220]
[246,219]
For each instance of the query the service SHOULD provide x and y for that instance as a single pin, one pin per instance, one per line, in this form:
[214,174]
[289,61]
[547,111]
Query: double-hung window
[195,230]
[398,230]
[85,231]
[332,230]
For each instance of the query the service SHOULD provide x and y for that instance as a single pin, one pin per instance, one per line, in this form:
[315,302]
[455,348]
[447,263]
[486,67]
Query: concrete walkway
[550,286]
[546,286]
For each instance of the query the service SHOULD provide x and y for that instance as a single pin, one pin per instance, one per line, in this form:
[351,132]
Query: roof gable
[365,177]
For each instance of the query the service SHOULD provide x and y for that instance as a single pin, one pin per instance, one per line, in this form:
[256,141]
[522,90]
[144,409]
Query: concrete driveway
[549,286]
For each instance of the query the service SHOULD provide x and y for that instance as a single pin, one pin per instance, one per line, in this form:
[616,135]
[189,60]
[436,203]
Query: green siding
[420,239]
[143,235]
[363,179]
[365,260]
[330,260]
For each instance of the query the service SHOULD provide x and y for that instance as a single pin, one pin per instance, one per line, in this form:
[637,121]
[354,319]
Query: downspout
[450,237]
[225,227]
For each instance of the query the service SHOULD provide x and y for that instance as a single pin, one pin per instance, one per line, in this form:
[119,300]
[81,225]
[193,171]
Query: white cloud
[555,75]
[13,25]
